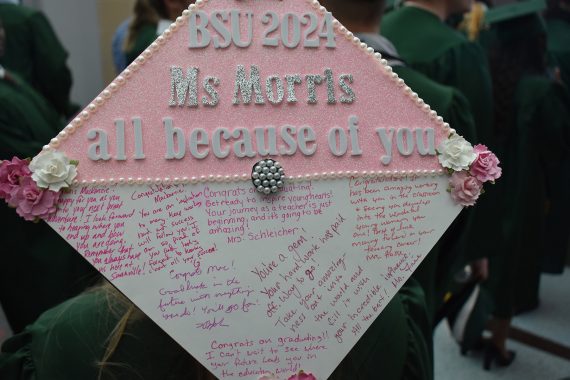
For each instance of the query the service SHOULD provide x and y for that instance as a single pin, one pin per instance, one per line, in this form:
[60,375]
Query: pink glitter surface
[379,103]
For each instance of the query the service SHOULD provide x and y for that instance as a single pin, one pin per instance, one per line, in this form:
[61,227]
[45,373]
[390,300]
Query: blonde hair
[126,312]
[474,21]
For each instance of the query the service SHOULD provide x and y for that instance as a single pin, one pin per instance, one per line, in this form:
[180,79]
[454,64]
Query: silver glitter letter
[349,98]
[311,88]
[245,86]
[209,83]
[330,86]
[269,89]
[292,80]
[181,86]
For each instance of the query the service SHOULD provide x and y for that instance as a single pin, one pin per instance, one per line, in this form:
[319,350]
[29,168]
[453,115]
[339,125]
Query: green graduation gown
[444,55]
[431,47]
[39,269]
[35,53]
[145,36]
[450,104]
[433,273]
[454,108]
[69,340]
[539,145]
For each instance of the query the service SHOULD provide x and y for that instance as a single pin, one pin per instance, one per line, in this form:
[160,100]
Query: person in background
[426,43]
[117,46]
[558,30]
[151,18]
[100,334]
[556,243]
[34,52]
[362,18]
[534,122]
[39,269]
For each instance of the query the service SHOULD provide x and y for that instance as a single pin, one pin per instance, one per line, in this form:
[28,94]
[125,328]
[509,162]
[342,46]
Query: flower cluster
[34,188]
[470,167]
[300,376]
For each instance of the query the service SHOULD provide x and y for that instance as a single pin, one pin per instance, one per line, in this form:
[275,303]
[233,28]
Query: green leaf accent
[74,162]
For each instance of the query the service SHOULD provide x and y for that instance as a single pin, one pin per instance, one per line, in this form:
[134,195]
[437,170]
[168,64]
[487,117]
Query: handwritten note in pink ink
[167,208]
[312,267]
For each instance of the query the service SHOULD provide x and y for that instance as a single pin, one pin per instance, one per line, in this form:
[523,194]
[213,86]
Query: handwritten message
[209,261]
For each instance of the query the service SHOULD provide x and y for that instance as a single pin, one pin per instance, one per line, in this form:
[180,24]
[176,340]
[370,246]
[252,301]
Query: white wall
[77,26]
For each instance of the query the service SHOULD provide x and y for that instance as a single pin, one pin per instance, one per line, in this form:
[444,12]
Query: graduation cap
[264,225]
[511,10]
[517,19]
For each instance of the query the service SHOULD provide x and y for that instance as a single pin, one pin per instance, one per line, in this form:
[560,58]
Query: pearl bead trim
[247,177]
[127,74]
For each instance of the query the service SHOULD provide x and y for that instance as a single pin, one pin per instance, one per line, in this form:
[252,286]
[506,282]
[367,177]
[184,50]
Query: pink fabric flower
[465,189]
[11,172]
[303,376]
[31,202]
[486,166]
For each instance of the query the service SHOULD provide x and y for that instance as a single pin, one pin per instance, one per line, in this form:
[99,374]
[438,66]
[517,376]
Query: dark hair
[160,7]
[520,49]
[555,10]
[145,12]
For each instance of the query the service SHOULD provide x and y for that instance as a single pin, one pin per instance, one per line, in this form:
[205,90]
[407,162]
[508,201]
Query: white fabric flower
[52,170]
[456,153]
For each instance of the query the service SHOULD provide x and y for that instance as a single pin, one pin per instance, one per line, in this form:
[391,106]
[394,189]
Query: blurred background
[86,29]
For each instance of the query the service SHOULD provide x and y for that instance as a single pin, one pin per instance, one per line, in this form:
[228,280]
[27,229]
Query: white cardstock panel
[249,283]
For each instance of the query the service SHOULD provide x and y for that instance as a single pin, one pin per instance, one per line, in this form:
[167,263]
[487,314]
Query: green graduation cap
[512,10]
